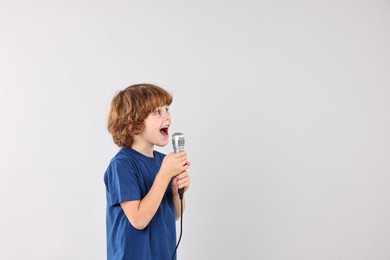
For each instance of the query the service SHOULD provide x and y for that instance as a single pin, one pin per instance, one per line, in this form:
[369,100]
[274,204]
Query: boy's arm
[180,181]
[177,204]
[140,212]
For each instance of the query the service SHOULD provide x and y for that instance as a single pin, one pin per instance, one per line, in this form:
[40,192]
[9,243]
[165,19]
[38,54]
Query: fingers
[175,163]
[182,180]
[182,158]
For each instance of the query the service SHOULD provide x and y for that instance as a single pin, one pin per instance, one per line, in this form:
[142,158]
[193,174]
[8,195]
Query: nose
[168,116]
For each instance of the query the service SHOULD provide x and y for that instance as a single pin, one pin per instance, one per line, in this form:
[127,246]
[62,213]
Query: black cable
[181,226]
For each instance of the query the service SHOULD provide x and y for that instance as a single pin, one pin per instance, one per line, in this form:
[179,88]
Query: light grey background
[284,104]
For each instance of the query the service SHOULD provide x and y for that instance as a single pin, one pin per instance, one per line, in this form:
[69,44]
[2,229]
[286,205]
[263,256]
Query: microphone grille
[178,141]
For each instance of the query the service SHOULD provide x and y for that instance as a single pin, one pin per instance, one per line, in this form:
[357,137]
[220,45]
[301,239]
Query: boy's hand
[181,181]
[174,164]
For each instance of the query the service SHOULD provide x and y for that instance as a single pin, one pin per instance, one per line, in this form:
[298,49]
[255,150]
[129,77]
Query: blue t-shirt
[130,176]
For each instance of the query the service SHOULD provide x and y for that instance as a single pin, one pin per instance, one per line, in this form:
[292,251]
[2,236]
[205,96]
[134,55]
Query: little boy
[141,183]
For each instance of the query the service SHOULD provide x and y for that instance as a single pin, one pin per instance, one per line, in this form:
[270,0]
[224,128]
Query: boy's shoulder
[122,157]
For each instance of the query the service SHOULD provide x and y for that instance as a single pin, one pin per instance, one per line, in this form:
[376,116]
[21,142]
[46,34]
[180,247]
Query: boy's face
[156,128]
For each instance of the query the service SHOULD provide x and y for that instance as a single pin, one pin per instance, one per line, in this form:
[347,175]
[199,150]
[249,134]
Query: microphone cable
[181,222]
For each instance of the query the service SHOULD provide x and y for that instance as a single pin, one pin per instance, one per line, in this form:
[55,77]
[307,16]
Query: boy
[141,183]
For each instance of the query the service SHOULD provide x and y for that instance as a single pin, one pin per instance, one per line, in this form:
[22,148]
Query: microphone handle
[181,193]
[181,190]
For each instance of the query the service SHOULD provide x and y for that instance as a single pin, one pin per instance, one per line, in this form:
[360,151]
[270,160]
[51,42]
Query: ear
[129,127]
[134,131]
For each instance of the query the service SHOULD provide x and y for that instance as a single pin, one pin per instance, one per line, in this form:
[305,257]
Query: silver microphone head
[178,142]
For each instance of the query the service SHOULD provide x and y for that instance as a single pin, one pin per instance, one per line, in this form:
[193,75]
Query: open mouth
[164,131]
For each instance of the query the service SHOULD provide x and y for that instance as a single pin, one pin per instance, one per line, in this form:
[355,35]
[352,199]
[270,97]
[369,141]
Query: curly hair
[130,107]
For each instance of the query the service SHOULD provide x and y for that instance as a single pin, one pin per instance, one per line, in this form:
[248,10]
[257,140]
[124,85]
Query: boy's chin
[162,144]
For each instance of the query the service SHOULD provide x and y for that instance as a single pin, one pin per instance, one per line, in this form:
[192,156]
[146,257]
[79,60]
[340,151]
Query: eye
[167,109]
[157,111]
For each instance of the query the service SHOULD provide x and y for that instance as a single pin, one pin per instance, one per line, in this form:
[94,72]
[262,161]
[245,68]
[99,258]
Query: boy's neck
[145,150]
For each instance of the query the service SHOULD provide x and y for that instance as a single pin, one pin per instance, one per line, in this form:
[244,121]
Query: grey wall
[284,104]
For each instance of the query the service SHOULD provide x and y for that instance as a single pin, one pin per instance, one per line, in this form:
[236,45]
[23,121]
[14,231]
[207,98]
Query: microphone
[178,146]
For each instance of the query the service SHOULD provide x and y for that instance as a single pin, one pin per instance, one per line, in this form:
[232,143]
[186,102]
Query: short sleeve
[122,183]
